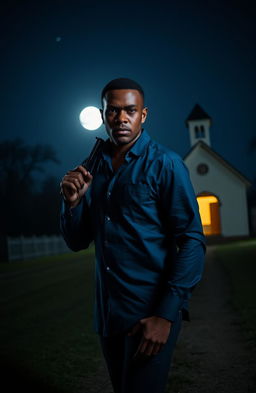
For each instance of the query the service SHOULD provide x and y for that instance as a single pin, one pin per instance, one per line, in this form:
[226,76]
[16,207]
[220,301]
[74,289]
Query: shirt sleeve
[181,212]
[76,225]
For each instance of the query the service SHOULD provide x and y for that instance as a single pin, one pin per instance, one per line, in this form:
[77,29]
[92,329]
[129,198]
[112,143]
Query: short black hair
[121,83]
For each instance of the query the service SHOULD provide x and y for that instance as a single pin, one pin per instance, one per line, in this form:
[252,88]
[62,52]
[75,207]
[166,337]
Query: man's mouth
[121,131]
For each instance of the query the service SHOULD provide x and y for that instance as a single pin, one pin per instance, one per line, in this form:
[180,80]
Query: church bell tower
[198,124]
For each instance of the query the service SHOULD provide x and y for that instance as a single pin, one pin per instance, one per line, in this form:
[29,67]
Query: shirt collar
[140,145]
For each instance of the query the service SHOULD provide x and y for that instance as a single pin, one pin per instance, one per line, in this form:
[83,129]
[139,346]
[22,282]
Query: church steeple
[198,123]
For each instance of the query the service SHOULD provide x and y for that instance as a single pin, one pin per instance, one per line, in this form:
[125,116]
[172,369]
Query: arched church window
[197,132]
[202,132]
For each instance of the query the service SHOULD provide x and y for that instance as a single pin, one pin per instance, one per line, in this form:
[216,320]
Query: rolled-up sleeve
[183,223]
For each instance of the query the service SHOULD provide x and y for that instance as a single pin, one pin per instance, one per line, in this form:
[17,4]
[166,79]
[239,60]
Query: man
[141,211]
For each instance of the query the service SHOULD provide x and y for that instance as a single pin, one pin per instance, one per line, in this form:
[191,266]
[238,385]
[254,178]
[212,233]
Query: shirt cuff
[169,307]
[67,211]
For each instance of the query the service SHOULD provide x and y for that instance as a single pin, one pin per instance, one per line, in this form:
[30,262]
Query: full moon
[90,118]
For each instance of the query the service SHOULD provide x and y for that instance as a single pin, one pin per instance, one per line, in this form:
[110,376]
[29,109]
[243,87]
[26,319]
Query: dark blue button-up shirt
[149,244]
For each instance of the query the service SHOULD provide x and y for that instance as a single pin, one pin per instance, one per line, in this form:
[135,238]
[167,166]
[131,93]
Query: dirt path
[212,354]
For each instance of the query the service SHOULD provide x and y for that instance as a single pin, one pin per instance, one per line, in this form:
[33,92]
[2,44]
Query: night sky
[56,57]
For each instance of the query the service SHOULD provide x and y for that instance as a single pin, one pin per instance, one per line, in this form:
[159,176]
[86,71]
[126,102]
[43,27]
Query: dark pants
[147,376]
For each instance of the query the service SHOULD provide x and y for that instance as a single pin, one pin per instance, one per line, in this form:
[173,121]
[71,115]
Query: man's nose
[121,116]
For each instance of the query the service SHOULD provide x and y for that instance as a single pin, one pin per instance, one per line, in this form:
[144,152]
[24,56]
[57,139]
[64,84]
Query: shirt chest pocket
[136,194]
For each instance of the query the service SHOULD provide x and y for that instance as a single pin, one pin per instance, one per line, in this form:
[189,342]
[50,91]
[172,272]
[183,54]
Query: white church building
[221,189]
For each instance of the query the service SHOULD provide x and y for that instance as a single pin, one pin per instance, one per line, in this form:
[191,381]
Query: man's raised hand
[75,184]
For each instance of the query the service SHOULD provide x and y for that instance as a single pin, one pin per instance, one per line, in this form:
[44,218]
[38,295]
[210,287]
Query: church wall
[230,190]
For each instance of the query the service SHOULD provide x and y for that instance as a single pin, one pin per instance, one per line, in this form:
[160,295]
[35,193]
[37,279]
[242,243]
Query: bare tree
[19,163]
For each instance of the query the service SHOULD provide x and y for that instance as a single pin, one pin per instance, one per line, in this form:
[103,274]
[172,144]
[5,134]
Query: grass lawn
[46,323]
[239,260]
[46,307]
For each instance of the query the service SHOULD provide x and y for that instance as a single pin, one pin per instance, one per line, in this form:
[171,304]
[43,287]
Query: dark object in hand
[91,163]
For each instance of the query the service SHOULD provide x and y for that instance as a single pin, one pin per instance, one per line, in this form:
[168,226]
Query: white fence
[20,248]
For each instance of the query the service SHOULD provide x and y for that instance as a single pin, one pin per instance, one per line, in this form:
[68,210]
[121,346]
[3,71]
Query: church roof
[197,113]
[218,157]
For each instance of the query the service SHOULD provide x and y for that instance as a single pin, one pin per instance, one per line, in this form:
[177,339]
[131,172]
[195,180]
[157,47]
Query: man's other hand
[156,331]
[75,184]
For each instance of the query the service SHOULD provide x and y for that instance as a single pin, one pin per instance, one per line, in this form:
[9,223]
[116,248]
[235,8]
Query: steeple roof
[197,113]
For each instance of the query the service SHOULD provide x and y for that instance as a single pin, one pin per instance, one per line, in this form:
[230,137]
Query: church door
[209,208]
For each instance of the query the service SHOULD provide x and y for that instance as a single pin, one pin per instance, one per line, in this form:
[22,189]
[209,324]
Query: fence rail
[21,248]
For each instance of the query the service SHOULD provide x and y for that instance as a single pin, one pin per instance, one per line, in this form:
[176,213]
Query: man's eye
[111,110]
[131,110]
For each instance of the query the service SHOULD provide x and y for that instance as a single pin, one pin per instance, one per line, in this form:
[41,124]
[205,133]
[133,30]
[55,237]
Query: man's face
[123,114]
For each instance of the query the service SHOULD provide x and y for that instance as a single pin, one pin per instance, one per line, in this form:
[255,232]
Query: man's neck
[121,150]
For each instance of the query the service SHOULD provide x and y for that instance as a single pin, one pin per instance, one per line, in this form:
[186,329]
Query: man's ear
[101,112]
[144,114]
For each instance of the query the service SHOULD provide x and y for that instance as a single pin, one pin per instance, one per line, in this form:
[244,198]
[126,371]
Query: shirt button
[107,218]
[108,268]
[109,193]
